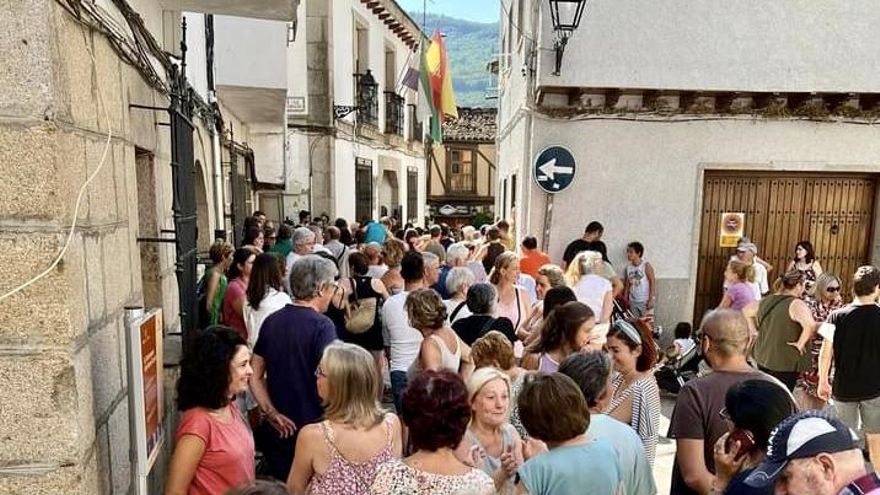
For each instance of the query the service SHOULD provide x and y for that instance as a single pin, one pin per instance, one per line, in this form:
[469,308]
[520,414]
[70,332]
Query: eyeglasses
[832,289]
[724,414]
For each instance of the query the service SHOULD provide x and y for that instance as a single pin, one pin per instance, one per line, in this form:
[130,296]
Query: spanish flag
[435,79]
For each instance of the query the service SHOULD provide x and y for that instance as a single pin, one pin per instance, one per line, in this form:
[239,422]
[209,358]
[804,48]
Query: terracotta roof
[472,125]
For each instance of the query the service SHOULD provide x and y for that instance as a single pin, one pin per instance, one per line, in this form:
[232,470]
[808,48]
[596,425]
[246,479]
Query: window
[412,194]
[461,171]
[363,208]
[513,191]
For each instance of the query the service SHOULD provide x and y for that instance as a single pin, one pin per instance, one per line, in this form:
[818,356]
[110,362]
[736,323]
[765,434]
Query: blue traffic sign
[554,169]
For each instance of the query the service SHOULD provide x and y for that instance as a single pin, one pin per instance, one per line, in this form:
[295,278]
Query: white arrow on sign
[549,169]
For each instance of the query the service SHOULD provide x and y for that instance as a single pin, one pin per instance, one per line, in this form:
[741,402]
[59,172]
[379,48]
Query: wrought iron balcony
[394,113]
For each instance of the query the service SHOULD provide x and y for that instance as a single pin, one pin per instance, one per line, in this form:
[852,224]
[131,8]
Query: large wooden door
[833,212]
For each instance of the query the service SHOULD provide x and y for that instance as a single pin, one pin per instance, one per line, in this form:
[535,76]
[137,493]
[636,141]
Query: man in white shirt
[402,341]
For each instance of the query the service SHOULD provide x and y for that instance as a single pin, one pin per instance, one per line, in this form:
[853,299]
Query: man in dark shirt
[593,233]
[286,355]
[852,341]
[696,422]
[480,301]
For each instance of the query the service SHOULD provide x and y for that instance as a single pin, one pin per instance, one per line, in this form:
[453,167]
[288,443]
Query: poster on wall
[732,228]
[146,405]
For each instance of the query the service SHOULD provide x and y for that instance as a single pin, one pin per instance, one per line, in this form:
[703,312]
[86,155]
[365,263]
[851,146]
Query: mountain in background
[471,46]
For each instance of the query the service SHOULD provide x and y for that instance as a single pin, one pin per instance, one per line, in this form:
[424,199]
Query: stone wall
[64,421]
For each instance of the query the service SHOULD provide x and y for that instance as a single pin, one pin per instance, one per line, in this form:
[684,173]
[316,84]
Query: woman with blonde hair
[584,276]
[341,455]
[513,301]
[490,442]
[549,276]
[826,298]
[494,349]
[737,292]
[392,255]
[441,347]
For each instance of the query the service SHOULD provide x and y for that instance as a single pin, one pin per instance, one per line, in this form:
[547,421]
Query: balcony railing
[367,101]
[393,113]
[415,126]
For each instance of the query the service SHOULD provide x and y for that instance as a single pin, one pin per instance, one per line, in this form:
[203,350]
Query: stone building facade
[677,112]
[72,104]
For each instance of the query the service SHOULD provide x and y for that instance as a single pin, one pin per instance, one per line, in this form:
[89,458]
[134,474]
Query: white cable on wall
[82,189]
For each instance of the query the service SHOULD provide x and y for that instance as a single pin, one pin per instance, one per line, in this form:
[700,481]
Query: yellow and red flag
[435,77]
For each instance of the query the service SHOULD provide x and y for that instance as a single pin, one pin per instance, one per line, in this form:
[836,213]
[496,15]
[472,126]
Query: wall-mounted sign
[144,343]
[296,104]
[554,169]
[732,228]
[448,210]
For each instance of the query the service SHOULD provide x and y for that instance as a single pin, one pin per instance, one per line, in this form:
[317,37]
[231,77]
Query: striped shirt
[645,409]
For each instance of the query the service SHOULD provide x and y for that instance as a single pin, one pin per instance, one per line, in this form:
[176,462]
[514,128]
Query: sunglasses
[832,289]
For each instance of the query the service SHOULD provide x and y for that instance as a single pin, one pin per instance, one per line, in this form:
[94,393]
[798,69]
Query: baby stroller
[678,370]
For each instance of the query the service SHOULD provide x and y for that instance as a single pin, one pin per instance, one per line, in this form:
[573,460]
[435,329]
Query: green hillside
[471,47]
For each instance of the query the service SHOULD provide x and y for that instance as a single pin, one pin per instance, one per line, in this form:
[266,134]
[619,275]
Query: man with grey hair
[696,422]
[592,373]
[481,299]
[303,240]
[456,256]
[284,361]
[432,268]
[458,282]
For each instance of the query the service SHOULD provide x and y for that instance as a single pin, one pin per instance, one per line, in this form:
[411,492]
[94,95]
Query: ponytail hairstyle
[743,271]
[789,280]
[582,264]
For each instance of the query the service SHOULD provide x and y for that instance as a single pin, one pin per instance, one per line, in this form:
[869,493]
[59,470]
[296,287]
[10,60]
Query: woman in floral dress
[826,299]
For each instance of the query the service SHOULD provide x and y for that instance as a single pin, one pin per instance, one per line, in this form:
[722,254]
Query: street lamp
[367,90]
[566,16]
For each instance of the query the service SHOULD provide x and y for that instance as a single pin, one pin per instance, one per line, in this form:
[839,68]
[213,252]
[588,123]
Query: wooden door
[833,212]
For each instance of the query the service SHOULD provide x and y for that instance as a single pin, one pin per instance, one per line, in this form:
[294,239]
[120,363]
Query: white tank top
[638,282]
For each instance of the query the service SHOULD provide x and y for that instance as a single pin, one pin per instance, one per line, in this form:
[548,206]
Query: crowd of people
[379,359]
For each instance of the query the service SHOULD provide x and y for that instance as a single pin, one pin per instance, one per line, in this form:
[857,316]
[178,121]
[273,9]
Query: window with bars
[363,207]
[461,171]
[412,194]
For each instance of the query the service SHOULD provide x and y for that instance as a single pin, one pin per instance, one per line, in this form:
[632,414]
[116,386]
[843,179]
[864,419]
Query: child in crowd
[638,276]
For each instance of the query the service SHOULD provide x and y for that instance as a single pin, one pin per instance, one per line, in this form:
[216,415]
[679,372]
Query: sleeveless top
[809,278]
[591,290]
[513,312]
[645,409]
[546,363]
[639,290]
[219,294]
[775,330]
[344,477]
[490,464]
[448,359]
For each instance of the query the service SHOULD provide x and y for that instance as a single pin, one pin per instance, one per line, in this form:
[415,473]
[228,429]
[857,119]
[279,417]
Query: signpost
[554,169]
[733,226]
[143,338]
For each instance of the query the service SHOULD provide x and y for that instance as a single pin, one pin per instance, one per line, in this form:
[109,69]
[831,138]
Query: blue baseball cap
[801,435]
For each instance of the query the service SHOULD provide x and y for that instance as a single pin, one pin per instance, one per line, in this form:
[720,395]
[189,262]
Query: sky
[473,10]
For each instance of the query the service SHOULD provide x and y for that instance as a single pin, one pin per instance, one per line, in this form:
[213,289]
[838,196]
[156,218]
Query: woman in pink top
[513,302]
[232,312]
[737,291]
[340,456]
[215,450]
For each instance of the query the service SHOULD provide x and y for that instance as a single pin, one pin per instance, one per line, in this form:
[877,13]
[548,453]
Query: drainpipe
[216,129]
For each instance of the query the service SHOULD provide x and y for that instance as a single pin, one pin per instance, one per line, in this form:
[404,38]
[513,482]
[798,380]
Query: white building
[371,162]
[677,112]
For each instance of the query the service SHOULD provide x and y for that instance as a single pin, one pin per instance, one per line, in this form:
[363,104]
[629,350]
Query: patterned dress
[397,478]
[645,409]
[809,380]
[809,279]
[343,477]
